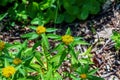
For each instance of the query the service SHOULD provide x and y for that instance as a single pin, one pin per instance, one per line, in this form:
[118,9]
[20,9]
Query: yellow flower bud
[17,61]
[2,45]
[40,30]
[8,71]
[83,76]
[67,39]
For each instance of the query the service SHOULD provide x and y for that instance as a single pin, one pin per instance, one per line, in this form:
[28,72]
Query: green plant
[47,64]
[16,58]
[116,38]
[46,11]
[85,73]
[78,9]
[26,62]
[5,2]
[24,10]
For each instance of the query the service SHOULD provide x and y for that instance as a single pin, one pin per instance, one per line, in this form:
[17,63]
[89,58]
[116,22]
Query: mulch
[95,30]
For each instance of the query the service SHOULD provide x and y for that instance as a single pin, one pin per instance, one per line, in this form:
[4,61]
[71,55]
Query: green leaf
[77,38]
[55,60]
[88,52]
[49,76]
[34,36]
[115,36]
[2,16]
[74,77]
[84,13]
[51,29]
[6,62]
[38,57]
[92,72]
[95,78]
[117,45]
[59,19]
[21,49]
[115,33]
[57,76]
[19,53]
[75,10]
[32,27]
[27,52]
[68,18]
[59,48]
[94,6]
[32,9]
[68,32]
[24,45]
[36,45]
[36,67]
[46,4]
[54,36]
[45,41]
[28,60]
[68,7]
[79,70]
[73,54]
[7,45]
[31,35]
[66,4]
[80,42]
[85,61]
[37,21]
[62,57]
[86,68]
[27,35]
[22,71]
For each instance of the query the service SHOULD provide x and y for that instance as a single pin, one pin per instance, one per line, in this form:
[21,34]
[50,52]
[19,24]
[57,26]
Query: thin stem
[56,13]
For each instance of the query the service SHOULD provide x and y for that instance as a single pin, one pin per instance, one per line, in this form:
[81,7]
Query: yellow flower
[8,71]
[2,45]
[17,61]
[83,76]
[40,30]
[67,39]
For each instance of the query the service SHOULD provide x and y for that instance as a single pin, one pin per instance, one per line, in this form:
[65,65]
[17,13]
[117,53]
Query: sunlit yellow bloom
[83,76]
[67,39]
[8,71]
[40,30]
[17,61]
[2,45]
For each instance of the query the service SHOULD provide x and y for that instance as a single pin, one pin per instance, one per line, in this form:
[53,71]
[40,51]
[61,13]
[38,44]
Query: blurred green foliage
[45,11]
